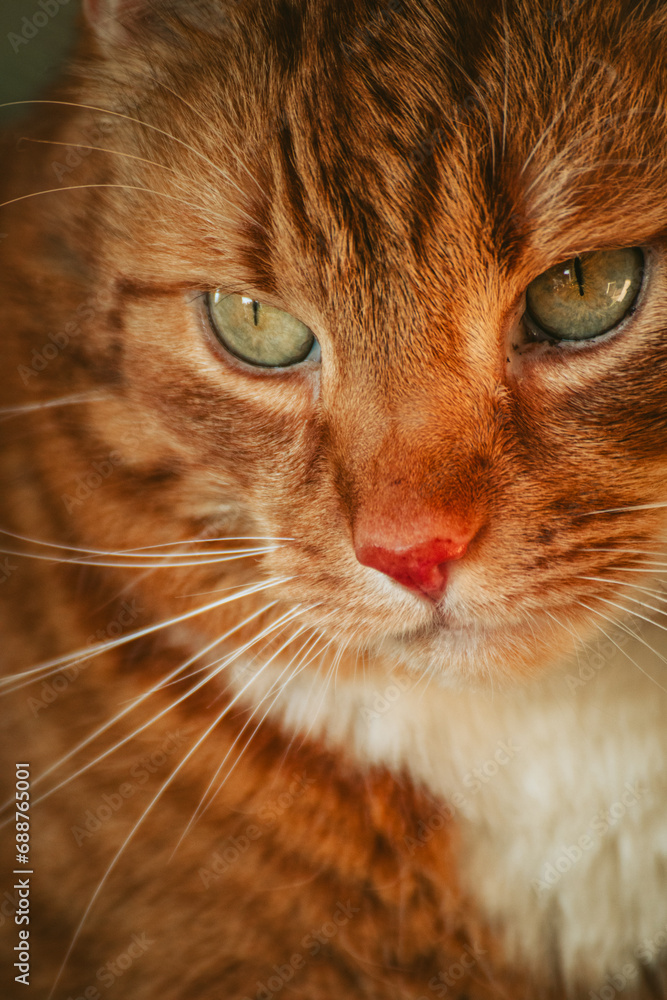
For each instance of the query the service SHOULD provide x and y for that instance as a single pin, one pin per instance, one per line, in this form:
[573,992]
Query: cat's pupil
[585,296]
[259,334]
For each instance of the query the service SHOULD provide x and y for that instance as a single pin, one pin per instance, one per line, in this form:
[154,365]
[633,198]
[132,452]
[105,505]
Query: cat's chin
[478,655]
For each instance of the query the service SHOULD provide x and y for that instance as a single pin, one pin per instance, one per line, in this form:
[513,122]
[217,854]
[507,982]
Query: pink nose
[422,567]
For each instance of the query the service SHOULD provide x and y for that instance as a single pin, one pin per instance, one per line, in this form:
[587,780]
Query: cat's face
[395,186]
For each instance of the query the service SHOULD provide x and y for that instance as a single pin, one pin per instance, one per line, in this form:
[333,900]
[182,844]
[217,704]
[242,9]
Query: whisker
[129,553]
[213,671]
[114,861]
[635,614]
[633,586]
[218,138]
[646,569]
[659,595]
[185,559]
[295,673]
[221,538]
[154,128]
[7,412]
[109,184]
[622,510]
[204,805]
[645,562]
[102,149]
[619,551]
[91,651]
[567,628]
[120,715]
[634,635]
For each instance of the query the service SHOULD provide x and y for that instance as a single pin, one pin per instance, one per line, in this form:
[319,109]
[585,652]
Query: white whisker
[120,715]
[138,121]
[634,635]
[90,651]
[212,671]
[635,614]
[114,861]
[158,562]
[6,412]
[622,510]
[118,186]
[204,804]
[632,586]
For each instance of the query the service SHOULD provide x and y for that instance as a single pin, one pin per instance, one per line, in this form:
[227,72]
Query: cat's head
[386,284]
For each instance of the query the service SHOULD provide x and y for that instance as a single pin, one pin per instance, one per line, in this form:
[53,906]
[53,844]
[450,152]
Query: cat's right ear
[113,20]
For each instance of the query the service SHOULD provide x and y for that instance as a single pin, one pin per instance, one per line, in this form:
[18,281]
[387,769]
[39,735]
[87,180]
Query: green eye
[587,295]
[259,334]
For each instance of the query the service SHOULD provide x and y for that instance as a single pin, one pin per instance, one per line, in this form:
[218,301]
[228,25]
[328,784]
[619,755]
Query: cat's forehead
[396,142]
[388,166]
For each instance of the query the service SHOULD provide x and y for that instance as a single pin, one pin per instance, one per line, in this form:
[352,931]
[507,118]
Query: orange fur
[394,176]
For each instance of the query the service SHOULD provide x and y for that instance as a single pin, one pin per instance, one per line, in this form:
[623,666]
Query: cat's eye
[259,334]
[585,296]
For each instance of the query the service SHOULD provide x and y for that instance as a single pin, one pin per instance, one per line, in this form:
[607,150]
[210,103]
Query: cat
[333,509]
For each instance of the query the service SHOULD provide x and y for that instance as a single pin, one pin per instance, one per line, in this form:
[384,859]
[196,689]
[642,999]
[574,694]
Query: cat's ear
[113,20]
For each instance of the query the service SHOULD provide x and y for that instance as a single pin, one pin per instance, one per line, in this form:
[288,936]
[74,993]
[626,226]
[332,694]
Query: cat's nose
[420,565]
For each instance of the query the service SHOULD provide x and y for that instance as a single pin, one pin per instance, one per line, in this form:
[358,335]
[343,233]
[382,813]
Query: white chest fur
[560,787]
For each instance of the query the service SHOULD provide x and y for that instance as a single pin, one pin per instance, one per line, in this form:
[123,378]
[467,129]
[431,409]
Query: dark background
[26,72]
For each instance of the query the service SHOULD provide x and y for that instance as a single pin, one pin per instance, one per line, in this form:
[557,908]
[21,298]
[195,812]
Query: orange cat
[333,505]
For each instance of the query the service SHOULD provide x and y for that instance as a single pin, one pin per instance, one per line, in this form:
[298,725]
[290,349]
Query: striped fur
[395,175]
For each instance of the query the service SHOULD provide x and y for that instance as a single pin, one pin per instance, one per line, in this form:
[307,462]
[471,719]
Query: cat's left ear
[113,20]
